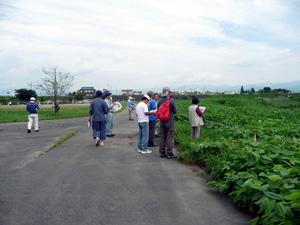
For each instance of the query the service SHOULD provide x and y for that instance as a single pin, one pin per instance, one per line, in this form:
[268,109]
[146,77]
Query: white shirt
[140,110]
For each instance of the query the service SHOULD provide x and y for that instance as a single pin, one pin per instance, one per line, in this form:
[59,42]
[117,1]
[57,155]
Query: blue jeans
[110,124]
[143,136]
[99,129]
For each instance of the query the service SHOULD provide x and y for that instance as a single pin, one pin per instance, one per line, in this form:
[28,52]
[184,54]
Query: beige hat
[168,92]
[150,93]
[32,99]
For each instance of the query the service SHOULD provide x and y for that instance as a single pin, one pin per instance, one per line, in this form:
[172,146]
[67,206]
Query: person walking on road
[167,129]
[110,122]
[143,122]
[98,109]
[152,119]
[130,108]
[33,117]
[196,120]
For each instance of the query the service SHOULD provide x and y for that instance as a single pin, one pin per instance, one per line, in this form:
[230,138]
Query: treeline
[264,90]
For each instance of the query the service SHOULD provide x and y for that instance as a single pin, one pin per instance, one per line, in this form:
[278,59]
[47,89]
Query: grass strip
[62,140]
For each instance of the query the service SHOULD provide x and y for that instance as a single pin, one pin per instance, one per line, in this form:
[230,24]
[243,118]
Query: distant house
[87,91]
[127,92]
[229,92]
[137,92]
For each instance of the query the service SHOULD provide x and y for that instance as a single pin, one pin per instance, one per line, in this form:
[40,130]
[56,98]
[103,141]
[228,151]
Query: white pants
[33,118]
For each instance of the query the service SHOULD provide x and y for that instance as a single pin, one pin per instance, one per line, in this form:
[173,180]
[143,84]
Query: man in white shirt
[143,121]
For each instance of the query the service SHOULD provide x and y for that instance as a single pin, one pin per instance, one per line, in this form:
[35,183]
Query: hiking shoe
[97,141]
[163,155]
[146,152]
[102,143]
[171,156]
[28,131]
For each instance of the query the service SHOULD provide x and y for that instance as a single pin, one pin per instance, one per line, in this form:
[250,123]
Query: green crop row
[262,176]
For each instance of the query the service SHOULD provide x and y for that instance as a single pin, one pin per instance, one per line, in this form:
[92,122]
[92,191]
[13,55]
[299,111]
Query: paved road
[79,183]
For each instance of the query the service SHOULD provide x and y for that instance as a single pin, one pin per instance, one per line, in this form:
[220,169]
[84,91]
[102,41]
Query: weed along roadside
[62,140]
[251,150]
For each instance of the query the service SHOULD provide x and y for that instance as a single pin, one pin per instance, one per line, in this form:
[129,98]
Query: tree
[24,95]
[242,90]
[267,90]
[79,96]
[252,91]
[55,84]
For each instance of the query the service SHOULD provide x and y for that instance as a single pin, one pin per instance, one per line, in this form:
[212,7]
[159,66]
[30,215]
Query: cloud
[142,44]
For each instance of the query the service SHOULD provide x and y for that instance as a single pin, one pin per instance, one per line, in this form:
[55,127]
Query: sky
[140,44]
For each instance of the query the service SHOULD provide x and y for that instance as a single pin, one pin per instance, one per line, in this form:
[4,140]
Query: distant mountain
[293,86]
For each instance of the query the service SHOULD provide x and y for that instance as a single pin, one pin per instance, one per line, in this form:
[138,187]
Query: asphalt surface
[79,183]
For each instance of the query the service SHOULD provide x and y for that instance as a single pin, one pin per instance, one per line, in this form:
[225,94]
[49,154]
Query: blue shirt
[98,109]
[32,107]
[108,103]
[130,104]
[152,105]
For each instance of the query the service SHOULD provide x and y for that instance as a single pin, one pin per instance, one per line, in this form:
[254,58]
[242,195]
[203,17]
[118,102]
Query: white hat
[32,99]
[147,96]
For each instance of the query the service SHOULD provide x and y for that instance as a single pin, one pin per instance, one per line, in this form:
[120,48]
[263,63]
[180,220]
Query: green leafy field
[262,176]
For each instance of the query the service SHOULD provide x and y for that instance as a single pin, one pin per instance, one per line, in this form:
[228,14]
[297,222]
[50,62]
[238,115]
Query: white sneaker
[97,141]
[139,150]
[102,143]
[146,152]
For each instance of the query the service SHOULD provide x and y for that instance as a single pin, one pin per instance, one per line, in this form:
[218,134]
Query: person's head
[151,94]
[195,101]
[146,98]
[32,99]
[130,98]
[168,93]
[98,93]
[156,97]
[108,94]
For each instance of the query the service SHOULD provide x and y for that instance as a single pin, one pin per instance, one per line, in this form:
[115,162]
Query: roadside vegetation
[18,113]
[262,176]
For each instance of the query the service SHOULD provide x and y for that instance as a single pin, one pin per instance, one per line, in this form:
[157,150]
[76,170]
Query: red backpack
[163,112]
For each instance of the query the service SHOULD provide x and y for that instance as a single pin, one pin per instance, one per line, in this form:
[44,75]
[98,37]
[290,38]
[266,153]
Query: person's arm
[91,111]
[199,112]
[107,116]
[111,106]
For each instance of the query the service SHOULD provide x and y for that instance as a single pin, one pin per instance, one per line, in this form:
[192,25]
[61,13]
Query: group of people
[101,118]
[147,122]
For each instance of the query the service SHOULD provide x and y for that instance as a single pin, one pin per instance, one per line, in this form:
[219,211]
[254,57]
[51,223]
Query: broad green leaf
[273,195]
[295,205]
[293,196]
[254,221]
[285,172]
[275,177]
[256,186]
[277,168]
[280,209]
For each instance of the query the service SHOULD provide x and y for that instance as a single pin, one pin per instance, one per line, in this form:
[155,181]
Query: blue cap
[107,93]
[98,93]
